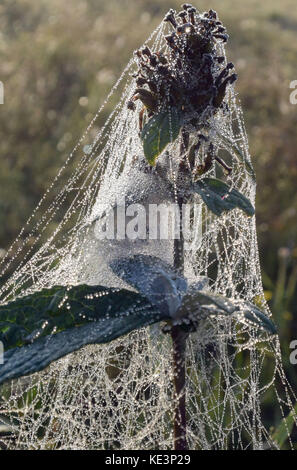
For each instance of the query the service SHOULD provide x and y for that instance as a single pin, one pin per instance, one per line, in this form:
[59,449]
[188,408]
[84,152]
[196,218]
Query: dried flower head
[189,75]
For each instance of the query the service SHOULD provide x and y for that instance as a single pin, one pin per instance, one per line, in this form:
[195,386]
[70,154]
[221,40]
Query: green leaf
[45,326]
[159,131]
[284,429]
[209,304]
[239,154]
[154,278]
[219,197]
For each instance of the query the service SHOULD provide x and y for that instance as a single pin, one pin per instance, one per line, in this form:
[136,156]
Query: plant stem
[179,370]
[179,338]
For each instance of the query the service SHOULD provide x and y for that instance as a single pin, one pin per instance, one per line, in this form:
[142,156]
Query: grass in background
[60,59]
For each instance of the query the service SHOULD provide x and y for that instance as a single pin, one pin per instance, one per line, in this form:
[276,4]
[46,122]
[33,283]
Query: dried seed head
[138,54]
[140,81]
[170,38]
[224,37]
[192,12]
[171,41]
[154,60]
[170,17]
[186,6]
[233,78]
[131,105]
[146,51]
[186,28]
[212,14]
[183,15]
[163,70]
[153,87]
[192,75]
[162,59]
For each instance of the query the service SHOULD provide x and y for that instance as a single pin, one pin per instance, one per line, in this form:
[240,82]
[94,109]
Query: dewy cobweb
[119,395]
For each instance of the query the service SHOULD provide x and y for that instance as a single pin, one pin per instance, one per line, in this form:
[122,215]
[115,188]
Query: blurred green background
[60,59]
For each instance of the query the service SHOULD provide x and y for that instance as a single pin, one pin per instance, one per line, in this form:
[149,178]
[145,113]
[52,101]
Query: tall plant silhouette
[182,89]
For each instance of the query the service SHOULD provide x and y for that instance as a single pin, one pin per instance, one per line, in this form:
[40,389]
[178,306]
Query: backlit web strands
[119,395]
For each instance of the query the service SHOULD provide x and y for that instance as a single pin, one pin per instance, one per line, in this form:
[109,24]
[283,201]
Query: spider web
[119,395]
